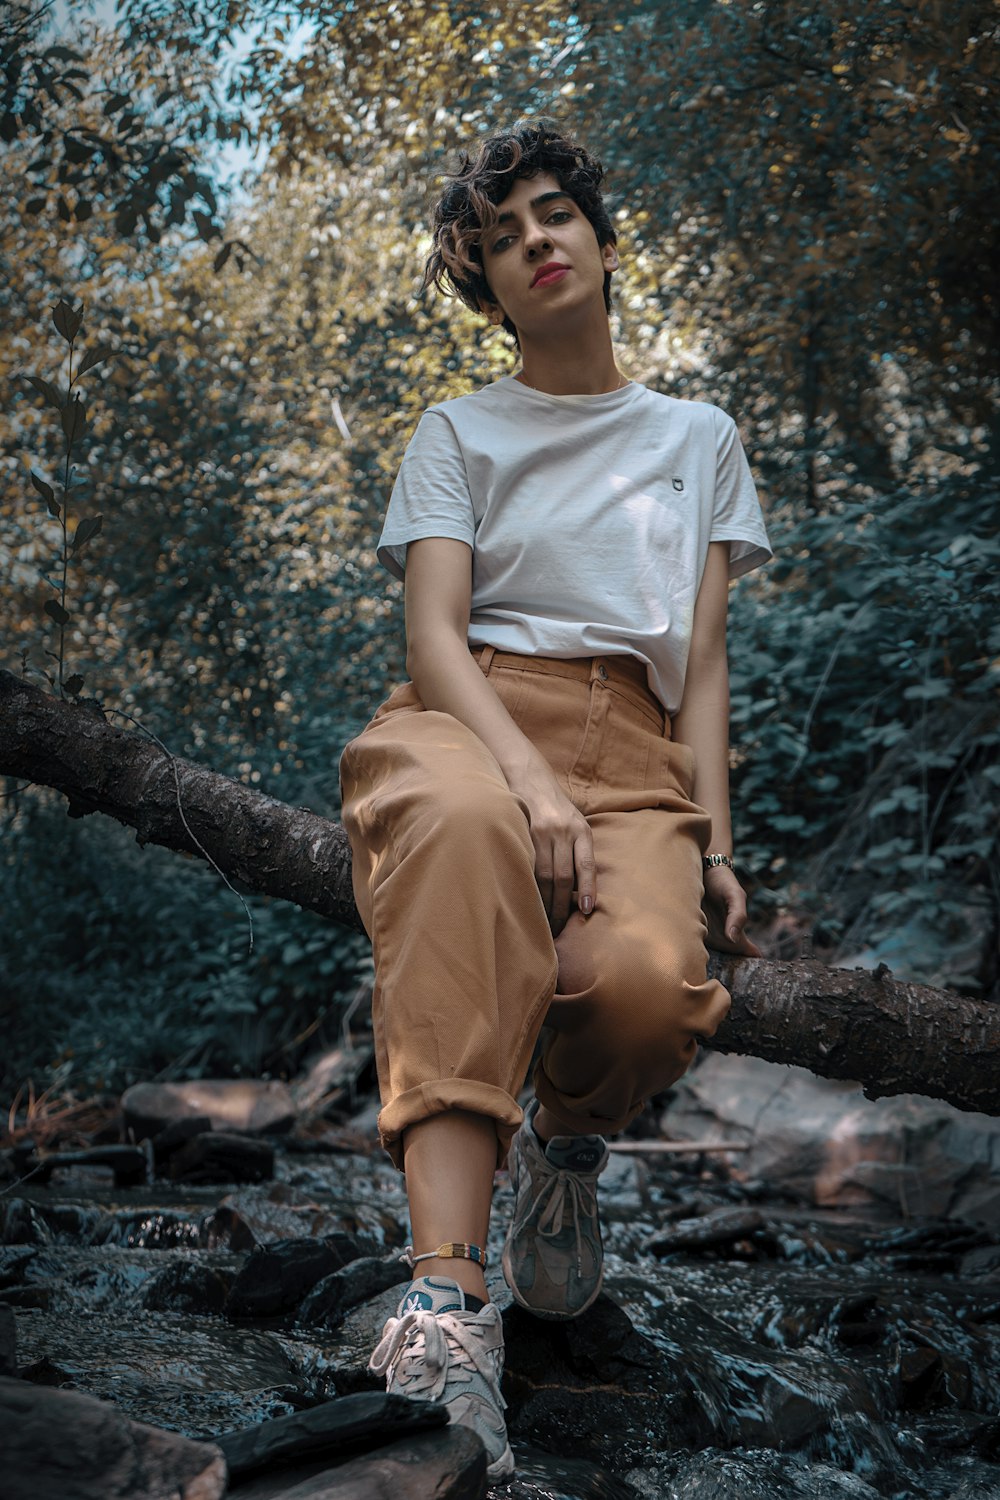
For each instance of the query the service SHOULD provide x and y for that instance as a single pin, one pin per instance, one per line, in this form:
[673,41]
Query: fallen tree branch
[891,1036]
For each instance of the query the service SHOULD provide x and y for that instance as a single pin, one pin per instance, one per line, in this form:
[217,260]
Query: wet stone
[246,1219]
[278,1276]
[22,1224]
[100,1454]
[188,1287]
[449,1465]
[331,1299]
[594,1387]
[197,1375]
[548,1476]
[752,1475]
[724,1226]
[349,1425]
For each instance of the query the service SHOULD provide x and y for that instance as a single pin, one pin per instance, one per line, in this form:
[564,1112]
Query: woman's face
[542,260]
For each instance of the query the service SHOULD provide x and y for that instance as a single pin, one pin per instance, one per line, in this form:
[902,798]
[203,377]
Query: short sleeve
[737,517]
[431,495]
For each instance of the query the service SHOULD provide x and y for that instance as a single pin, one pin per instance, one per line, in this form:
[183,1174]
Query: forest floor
[802,1296]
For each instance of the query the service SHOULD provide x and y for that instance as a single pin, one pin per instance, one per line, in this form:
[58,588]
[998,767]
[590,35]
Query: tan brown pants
[466,969]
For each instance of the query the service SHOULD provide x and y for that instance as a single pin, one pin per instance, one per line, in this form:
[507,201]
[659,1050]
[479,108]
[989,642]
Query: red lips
[549,269]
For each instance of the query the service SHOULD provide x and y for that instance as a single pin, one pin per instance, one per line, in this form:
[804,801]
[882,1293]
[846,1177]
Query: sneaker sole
[546,1313]
[502,1467]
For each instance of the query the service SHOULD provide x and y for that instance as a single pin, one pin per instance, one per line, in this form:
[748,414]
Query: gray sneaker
[553,1257]
[437,1350]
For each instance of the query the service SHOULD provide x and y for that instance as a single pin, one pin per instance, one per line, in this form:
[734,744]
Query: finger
[543,879]
[562,886]
[736,919]
[586,872]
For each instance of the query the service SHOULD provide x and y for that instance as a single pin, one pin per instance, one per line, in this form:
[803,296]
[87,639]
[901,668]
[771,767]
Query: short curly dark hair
[468,206]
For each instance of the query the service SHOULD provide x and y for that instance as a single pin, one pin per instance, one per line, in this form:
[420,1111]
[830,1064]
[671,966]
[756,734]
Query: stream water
[820,1354]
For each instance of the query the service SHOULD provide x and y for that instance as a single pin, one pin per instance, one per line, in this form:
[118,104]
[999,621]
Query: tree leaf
[67,319]
[45,388]
[74,420]
[88,528]
[95,356]
[222,257]
[73,684]
[35,205]
[55,611]
[204,225]
[47,493]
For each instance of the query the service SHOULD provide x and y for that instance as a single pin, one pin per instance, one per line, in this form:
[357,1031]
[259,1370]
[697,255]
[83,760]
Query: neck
[579,364]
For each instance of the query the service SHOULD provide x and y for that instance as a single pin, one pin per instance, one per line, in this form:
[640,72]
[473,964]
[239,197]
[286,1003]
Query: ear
[609,255]
[491,310]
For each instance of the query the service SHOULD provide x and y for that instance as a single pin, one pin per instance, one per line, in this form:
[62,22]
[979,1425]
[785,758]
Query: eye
[501,243]
[559,214]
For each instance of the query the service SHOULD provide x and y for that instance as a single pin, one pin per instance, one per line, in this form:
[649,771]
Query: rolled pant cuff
[438,1097]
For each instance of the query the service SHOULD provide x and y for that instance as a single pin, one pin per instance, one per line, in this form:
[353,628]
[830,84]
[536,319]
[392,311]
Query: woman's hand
[725,908]
[564,845]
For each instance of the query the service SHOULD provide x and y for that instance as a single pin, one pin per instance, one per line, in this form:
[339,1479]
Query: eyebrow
[534,203]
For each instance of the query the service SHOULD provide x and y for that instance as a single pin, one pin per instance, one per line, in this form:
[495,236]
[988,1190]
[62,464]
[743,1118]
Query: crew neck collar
[625,393]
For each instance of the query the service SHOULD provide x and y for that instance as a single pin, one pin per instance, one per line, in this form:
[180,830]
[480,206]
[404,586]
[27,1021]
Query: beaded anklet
[457,1250]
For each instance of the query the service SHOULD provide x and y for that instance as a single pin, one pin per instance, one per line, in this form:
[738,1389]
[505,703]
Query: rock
[331,1078]
[200,1375]
[221,1156]
[332,1298]
[22,1224]
[8,1341]
[709,1231]
[187,1288]
[446,1465]
[594,1387]
[349,1424]
[277,1276]
[171,1136]
[821,1140]
[251,1106]
[547,1476]
[100,1454]
[129,1165]
[244,1220]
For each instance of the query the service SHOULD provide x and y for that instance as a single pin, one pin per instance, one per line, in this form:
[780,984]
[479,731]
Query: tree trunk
[891,1036]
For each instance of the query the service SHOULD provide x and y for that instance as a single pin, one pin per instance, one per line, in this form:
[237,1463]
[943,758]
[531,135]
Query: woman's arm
[703,723]
[438,593]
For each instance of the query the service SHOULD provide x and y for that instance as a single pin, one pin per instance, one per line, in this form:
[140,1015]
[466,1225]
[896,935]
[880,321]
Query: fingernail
[734,933]
[587,905]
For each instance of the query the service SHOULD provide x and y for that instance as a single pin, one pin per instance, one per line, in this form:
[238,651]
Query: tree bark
[890,1036]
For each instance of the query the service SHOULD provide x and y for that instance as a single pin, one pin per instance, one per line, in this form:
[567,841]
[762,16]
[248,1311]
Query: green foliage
[804,196]
[127,962]
[865,705]
[67,321]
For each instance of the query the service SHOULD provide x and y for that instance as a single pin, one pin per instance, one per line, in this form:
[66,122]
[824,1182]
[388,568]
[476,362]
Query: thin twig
[674,1148]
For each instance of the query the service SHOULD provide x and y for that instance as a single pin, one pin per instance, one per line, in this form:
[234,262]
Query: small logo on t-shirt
[678,483]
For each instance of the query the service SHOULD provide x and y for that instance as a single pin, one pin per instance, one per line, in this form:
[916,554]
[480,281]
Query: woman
[538,816]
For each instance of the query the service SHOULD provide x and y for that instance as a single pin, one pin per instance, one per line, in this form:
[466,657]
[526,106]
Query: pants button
[602,672]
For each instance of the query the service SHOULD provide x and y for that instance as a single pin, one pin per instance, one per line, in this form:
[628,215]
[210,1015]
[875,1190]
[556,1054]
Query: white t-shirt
[589,517]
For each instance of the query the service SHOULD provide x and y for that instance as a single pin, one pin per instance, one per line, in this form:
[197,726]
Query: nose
[536,241]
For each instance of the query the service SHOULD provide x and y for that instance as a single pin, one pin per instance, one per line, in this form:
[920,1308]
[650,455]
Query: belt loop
[486,655]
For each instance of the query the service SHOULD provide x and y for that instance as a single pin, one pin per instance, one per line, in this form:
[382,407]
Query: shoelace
[552,1202]
[441,1333]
